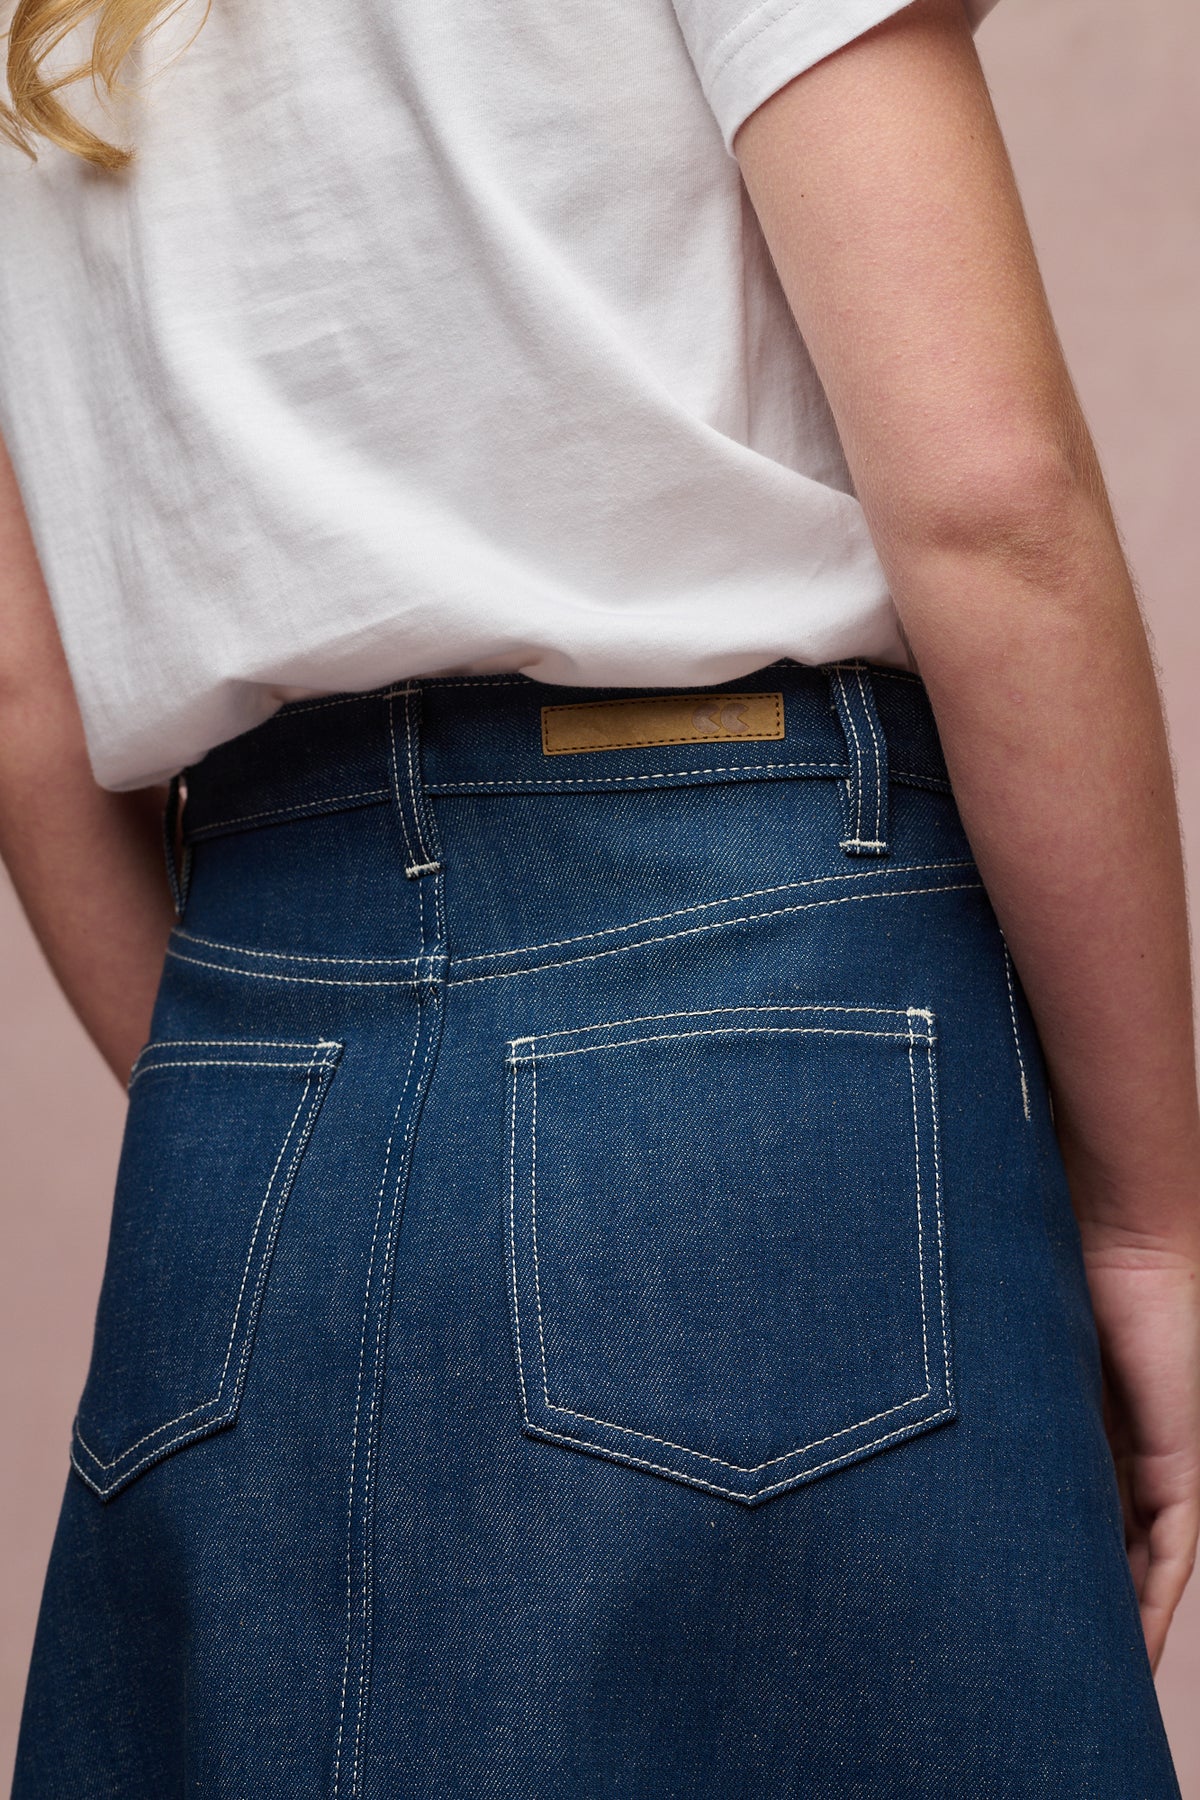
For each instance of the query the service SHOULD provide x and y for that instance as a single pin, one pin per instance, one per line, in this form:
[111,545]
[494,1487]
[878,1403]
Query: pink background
[1098,102]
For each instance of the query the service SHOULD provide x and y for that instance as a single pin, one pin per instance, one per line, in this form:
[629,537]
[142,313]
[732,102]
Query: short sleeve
[744,50]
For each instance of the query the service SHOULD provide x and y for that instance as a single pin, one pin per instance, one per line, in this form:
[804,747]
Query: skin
[888,202]
[87,864]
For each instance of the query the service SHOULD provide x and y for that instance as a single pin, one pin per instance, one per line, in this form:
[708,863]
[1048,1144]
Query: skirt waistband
[508,734]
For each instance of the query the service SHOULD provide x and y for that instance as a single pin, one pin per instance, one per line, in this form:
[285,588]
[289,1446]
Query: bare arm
[87,864]
[885,193]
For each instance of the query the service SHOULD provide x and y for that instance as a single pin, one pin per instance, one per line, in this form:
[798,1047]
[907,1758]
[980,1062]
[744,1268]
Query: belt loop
[177,853]
[423,861]
[867,783]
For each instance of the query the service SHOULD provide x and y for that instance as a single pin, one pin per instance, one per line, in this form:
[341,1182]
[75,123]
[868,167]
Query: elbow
[1030,513]
[1033,521]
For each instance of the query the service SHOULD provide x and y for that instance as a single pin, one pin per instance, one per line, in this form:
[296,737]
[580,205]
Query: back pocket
[213,1141]
[725,1241]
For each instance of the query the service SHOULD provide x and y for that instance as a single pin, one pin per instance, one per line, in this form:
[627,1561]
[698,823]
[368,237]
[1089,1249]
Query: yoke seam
[715,925]
[414,964]
[679,912]
[359,962]
[283,812]
[229,968]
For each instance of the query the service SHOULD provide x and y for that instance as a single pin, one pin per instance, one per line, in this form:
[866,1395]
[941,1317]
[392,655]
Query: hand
[1146,1299]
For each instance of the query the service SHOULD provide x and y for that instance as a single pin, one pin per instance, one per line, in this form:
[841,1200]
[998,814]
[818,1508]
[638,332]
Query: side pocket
[725,1241]
[213,1140]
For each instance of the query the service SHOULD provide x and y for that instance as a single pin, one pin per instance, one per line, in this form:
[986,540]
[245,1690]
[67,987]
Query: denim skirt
[593,1305]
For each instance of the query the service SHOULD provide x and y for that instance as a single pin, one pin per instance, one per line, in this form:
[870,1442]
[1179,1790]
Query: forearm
[1037,666]
[87,864]
[88,868]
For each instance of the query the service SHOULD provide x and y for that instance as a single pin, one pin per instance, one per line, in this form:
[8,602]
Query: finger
[1171,1555]
[1137,1550]
[1136,1527]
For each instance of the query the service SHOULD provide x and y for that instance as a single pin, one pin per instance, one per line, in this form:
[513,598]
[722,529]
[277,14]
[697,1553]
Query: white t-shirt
[426,338]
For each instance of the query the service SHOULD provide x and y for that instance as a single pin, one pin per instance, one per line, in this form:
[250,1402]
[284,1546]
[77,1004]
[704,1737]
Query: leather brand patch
[660,719]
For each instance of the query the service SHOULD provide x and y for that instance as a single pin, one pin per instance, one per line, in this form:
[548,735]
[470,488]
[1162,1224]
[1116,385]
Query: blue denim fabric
[593,1305]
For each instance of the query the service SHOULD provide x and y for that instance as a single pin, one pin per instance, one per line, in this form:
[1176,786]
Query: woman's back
[423,338]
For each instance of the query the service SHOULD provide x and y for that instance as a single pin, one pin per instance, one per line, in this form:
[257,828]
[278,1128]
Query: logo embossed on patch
[660,719]
[713,720]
